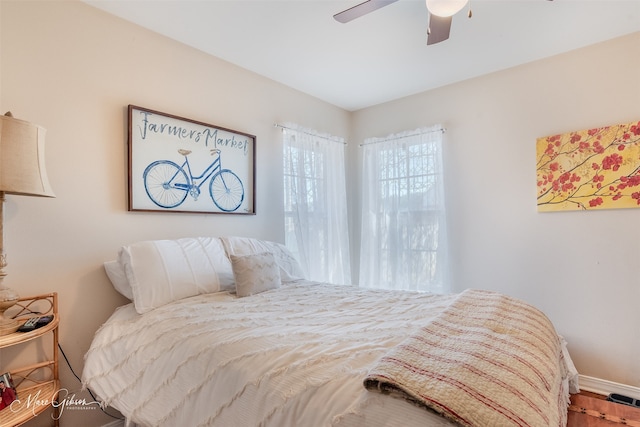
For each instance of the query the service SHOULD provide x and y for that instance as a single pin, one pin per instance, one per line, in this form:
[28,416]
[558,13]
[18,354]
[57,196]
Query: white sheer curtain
[404,238]
[316,228]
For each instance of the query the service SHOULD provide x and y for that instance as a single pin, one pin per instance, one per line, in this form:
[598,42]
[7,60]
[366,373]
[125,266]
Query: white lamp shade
[445,8]
[22,168]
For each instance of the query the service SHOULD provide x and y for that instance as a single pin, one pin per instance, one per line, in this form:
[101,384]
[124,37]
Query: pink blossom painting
[592,169]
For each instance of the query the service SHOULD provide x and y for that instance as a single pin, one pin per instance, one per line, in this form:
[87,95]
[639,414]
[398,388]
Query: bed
[227,332]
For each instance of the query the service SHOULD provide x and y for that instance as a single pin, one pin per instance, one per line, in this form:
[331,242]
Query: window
[315,204]
[404,241]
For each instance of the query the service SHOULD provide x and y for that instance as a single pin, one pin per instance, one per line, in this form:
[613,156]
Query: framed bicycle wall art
[182,165]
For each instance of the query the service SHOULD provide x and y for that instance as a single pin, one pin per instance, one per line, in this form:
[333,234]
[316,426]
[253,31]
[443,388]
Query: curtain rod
[328,138]
[443,130]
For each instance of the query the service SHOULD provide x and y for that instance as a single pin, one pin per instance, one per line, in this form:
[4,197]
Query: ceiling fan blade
[361,9]
[439,28]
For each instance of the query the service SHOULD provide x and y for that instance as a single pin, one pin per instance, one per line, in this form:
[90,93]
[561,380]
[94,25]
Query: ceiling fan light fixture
[445,8]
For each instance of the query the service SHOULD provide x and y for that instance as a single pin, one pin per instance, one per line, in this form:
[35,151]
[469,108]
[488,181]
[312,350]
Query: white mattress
[294,356]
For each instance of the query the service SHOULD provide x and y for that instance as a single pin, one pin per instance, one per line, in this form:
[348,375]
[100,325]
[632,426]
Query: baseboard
[604,387]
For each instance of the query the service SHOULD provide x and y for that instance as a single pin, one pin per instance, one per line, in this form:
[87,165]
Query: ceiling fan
[440,15]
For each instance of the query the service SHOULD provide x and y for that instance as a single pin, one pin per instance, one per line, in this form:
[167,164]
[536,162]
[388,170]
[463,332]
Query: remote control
[43,320]
[35,322]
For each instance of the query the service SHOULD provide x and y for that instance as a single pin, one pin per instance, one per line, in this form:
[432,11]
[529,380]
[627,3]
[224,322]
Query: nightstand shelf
[37,385]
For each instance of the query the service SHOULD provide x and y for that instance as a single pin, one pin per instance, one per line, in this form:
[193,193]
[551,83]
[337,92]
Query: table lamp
[22,172]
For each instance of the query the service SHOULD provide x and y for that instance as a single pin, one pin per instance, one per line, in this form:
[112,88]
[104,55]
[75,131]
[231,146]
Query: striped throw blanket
[487,360]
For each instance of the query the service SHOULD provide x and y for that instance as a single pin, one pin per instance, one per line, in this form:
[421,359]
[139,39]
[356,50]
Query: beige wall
[581,268]
[73,69]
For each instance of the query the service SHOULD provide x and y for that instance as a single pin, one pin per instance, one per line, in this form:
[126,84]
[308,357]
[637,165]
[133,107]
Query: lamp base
[8,297]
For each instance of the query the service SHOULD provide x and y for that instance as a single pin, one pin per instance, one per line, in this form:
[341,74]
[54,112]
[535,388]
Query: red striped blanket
[486,360]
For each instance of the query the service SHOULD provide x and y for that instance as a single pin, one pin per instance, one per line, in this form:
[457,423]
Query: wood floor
[592,410]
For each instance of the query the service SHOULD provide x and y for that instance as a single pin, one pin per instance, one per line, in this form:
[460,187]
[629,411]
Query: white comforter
[294,356]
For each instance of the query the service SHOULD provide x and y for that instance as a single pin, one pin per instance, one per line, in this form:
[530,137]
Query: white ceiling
[381,56]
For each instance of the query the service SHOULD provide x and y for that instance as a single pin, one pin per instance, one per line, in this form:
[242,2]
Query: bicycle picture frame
[182,165]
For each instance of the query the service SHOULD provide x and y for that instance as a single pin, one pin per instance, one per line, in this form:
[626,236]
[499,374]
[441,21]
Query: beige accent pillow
[290,268]
[255,273]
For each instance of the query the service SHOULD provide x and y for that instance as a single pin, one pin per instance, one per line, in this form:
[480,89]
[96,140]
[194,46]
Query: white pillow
[290,268]
[118,278]
[163,271]
[255,273]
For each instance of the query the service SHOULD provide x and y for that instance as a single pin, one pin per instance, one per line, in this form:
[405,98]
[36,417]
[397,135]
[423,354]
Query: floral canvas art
[590,169]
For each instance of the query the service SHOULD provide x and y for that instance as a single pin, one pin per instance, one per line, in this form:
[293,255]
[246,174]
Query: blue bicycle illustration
[168,184]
